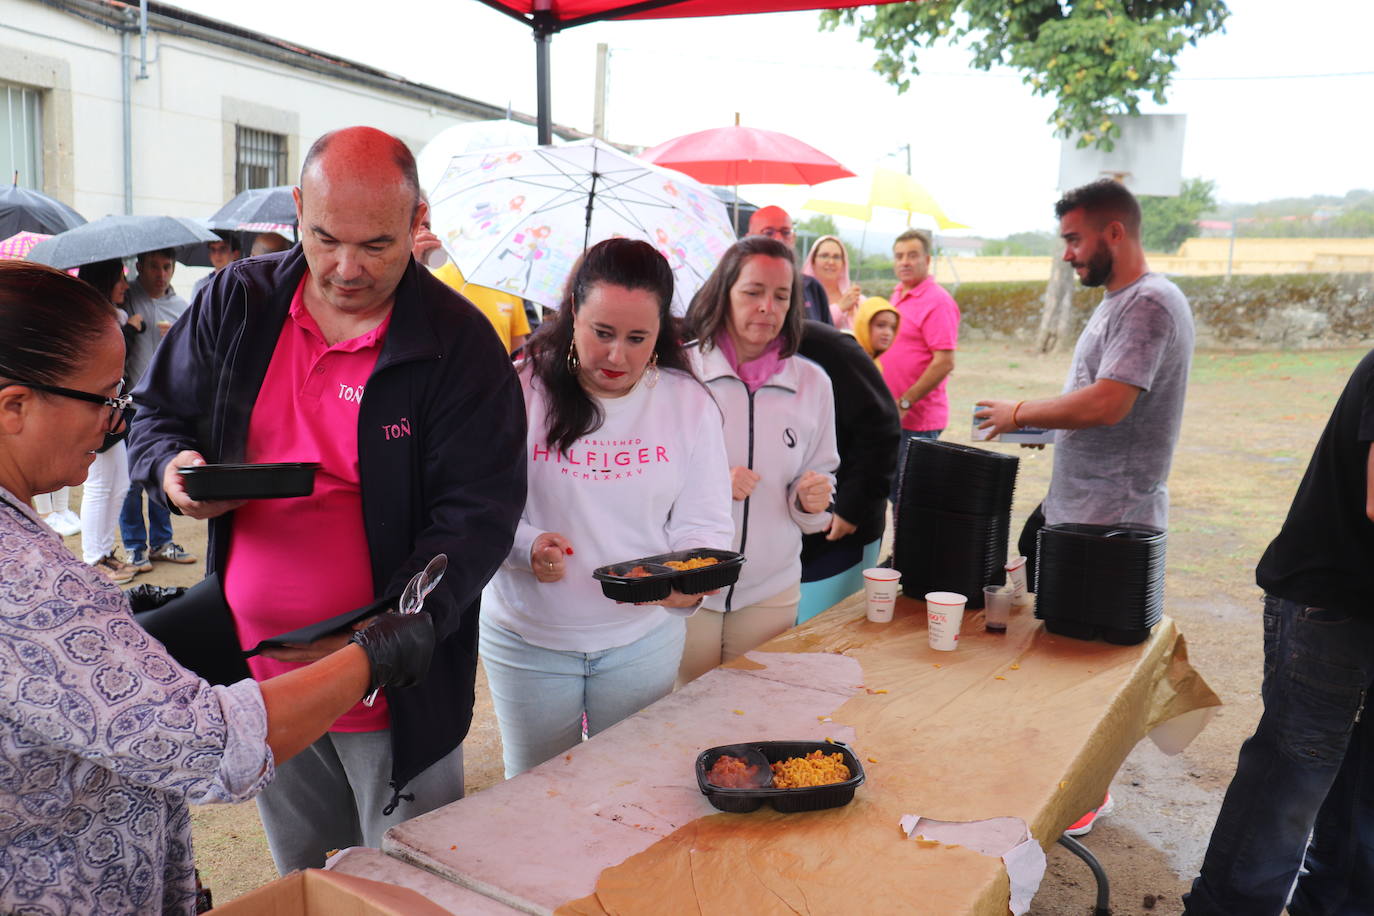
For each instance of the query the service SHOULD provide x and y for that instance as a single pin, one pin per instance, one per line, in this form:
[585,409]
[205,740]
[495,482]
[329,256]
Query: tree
[819,224]
[1167,221]
[1096,57]
[1021,244]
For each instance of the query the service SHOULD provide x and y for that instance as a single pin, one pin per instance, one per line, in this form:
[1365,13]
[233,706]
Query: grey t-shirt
[1141,335]
[143,345]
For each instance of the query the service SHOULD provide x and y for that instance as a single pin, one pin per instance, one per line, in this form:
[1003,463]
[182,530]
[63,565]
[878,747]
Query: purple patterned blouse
[104,740]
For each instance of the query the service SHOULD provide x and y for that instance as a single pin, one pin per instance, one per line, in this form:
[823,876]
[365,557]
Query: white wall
[183,115]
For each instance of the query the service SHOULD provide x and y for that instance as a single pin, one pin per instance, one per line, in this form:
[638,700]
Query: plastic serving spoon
[413,597]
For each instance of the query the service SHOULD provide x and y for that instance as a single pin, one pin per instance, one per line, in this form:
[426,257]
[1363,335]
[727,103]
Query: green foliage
[875,273]
[1229,312]
[1097,58]
[1021,245]
[819,224]
[1167,221]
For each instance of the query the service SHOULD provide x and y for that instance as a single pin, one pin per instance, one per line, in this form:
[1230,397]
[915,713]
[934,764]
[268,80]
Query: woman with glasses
[828,262]
[108,480]
[104,737]
[779,437]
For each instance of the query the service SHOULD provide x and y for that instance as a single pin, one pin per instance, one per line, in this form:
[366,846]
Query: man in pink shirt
[917,364]
[344,352]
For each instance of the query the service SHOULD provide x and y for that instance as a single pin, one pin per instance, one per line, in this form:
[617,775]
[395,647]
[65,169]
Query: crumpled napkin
[1005,837]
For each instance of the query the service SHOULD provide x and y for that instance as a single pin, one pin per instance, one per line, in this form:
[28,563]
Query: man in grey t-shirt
[1122,405]
[1121,409]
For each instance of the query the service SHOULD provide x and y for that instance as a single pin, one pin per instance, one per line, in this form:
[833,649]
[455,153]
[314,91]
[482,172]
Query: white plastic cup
[944,616]
[880,587]
[1016,578]
[436,258]
[979,435]
[996,607]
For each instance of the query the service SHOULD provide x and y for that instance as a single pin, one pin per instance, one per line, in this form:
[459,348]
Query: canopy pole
[544,27]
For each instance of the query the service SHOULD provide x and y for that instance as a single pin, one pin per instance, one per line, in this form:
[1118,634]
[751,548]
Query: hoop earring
[653,371]
[574,364]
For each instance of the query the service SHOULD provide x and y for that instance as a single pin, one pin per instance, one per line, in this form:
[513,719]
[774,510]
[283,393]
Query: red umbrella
[745,155]
[548,16]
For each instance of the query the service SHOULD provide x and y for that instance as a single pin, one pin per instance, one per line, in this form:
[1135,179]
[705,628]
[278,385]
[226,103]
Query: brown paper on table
[315,892]
[992,729]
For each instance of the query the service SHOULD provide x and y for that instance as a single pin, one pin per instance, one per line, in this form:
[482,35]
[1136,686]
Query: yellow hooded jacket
[867,310]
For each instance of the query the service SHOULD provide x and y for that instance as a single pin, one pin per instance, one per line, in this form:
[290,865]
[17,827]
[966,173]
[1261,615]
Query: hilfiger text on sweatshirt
[609,459]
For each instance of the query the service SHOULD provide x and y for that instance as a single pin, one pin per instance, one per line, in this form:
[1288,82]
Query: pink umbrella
[745,155]
[17,246]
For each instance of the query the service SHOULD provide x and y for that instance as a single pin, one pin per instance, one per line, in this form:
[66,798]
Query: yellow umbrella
[895,190]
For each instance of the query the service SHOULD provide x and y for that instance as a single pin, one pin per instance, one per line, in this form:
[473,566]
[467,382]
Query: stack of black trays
[1098,581]
[952,517]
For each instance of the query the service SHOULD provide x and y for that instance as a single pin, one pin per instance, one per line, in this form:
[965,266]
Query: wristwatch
[904,404]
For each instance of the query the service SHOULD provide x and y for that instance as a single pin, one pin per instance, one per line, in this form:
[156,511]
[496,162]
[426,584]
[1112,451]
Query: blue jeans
[1307,770]
[907,436]
[131,529]
[540,695]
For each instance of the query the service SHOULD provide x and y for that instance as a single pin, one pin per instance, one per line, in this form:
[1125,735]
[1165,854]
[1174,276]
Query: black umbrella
[118,237]
[23,210]
[249,209]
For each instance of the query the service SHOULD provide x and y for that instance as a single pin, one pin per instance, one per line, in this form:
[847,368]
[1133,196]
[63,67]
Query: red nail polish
[569,551]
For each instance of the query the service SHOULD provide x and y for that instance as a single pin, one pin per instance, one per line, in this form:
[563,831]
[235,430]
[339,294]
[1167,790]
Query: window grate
[260,159]
[21,136]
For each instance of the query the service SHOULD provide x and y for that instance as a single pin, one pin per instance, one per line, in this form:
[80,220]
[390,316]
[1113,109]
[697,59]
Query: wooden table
[1023,724]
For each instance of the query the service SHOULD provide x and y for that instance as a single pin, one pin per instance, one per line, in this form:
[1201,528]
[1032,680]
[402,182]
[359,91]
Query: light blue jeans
[540,695]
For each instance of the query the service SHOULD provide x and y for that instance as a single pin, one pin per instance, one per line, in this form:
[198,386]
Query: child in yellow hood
[875,326]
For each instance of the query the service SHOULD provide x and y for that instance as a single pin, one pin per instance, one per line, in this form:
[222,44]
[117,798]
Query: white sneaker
[72,519]
[58,523]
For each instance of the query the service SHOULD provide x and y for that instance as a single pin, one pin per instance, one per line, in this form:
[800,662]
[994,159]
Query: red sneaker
[1085,823]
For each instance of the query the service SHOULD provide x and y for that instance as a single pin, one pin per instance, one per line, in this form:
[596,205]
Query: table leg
[1103,907]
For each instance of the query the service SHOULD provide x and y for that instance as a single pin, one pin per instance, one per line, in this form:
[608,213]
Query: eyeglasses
[830,257]
[774,233]
[117,404]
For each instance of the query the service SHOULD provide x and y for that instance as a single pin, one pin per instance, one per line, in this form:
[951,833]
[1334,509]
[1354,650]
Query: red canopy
[569,13]
[546,17]
[745,155]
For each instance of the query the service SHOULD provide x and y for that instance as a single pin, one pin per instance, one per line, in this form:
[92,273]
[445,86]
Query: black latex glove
[399,647]
[148,597]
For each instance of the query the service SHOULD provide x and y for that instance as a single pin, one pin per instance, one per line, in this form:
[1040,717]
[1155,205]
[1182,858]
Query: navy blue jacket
[868,432]
[441,439]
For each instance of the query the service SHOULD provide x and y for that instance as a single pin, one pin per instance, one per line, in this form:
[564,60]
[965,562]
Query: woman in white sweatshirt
[780,438]
[625,460]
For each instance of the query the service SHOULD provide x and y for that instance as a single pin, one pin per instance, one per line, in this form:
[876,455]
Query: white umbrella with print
[516,220]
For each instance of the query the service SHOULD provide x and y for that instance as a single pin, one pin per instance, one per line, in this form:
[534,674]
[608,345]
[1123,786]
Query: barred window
[260,159]
[21,144]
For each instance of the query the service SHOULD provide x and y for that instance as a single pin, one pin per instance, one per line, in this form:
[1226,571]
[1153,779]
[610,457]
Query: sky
[1276,106]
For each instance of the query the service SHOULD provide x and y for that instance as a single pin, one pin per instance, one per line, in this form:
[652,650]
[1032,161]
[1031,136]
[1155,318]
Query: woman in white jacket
[779,436]
[625,460]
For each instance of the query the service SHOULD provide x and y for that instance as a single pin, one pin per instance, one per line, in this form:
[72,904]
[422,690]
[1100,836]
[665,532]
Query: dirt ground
[1249,427]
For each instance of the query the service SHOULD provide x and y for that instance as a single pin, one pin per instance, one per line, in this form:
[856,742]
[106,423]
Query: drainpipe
[143,39]
[125,66]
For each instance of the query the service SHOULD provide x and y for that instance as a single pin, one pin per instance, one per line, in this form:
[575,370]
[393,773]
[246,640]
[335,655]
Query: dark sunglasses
[117,404]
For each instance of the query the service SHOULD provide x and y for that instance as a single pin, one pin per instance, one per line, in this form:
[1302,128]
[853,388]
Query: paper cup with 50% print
[944,616]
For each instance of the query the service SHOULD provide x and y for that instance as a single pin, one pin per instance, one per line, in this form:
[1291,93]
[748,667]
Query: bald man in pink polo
[342,351]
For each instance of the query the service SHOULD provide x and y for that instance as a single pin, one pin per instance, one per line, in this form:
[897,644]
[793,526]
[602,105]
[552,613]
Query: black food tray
[336,624]
[619,587]
[812,798]
[249,481]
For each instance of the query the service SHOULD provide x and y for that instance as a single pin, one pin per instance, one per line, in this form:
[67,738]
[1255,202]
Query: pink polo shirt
[294,562]
[929,322]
